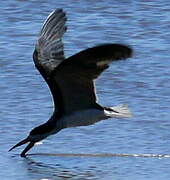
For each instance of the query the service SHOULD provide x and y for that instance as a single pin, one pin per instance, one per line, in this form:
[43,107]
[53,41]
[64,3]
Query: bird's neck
[55,123]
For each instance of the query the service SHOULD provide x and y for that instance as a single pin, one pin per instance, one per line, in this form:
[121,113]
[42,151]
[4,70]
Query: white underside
[91,116]
[84,118]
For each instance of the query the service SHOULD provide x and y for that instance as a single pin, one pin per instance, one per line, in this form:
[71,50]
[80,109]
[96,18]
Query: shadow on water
[43,170]
[52,167]
[46,171]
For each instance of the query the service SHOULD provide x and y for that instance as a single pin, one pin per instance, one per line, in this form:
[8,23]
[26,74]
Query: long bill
[30,145]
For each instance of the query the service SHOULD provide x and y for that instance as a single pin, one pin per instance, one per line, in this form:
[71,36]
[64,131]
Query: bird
[72,80]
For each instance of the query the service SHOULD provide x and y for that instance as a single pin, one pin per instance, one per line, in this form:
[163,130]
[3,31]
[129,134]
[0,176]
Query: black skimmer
[71,80]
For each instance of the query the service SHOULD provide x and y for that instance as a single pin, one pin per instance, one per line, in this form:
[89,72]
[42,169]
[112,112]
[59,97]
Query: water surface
[143,82]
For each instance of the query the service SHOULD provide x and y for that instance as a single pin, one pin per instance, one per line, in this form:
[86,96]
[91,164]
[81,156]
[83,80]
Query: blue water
[142,81]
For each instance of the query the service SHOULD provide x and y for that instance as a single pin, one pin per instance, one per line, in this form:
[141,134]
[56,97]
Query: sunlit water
[130,149]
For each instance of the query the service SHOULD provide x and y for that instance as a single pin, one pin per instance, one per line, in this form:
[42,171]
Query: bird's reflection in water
[44,169]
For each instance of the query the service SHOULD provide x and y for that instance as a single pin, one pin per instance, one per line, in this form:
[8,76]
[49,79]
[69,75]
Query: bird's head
[37,134]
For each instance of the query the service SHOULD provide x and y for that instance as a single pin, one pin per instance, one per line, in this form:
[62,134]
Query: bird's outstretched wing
[71,80]
[75,75]
[49,51]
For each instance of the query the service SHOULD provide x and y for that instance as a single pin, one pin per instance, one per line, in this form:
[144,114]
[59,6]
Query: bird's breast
[84,117]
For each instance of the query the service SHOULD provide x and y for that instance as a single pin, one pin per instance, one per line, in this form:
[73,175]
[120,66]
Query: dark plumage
[71,80]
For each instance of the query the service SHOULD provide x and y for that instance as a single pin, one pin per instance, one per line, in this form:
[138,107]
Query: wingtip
[58,11]
[126,50]
[130,49]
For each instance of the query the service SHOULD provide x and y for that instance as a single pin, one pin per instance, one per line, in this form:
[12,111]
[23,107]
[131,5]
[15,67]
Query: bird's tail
[120,111]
